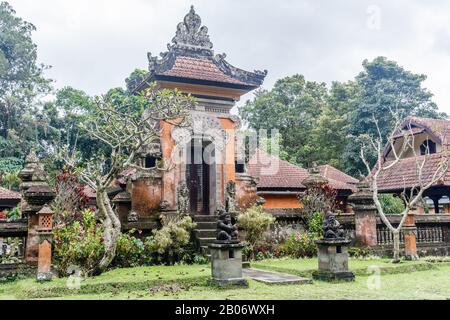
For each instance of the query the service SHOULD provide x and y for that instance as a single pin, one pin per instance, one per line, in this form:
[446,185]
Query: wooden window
[427,147]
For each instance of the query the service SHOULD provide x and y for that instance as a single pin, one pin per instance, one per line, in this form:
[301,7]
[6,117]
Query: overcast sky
[94,44]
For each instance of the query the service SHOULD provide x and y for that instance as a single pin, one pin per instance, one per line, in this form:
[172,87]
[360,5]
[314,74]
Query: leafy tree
[125,131]
[386,89]
[330,134]
[61,120]
[391,204]
[135,78]
[10,180]
[21,83]
[293,107]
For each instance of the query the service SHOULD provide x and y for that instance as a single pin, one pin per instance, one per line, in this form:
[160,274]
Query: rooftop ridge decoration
[192,46]
[190,33]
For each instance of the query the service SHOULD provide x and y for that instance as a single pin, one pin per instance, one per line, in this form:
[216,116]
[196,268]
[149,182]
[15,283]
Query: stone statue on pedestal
[333,252]
[226,231]
[226,253]
[332,229]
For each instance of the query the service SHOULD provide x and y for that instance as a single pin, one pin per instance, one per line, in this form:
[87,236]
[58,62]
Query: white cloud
[94,45]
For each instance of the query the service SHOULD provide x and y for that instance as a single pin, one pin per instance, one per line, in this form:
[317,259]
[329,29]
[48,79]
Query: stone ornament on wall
[183,198]
[202,125]
[230,198]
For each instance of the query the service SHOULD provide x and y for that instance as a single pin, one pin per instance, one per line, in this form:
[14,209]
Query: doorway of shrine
[200,177]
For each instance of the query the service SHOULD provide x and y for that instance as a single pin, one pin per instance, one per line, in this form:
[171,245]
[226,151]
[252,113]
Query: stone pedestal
[226,264]
[333,261]
[410,231]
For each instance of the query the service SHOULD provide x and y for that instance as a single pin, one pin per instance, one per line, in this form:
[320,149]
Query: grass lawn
[407,280]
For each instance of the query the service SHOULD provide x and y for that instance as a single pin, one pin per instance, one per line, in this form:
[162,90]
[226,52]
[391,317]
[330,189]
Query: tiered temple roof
[190,59]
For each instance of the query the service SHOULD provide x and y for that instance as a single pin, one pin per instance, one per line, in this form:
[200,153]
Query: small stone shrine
[36,195]
[333,252]
[226,253]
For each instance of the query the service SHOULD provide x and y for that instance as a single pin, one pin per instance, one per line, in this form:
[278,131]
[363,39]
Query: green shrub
[359,252]
[315,224]
[14,214]
[300,245]
[255,222]
[168,243]
[391,204]
[130,251]
[78,244]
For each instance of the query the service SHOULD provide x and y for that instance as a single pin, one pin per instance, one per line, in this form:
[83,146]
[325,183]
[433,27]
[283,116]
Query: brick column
[410,232]
[365,216]
[45,244]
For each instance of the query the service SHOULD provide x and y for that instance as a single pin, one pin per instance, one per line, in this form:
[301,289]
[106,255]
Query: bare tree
[399,142]
[125,129]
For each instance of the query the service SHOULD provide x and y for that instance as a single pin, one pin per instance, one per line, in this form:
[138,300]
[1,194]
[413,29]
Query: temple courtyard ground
[407,280]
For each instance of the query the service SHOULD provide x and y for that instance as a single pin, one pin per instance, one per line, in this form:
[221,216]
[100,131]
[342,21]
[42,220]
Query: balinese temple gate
[205,174]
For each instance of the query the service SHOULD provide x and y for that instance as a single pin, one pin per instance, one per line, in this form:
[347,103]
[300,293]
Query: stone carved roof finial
[190,33]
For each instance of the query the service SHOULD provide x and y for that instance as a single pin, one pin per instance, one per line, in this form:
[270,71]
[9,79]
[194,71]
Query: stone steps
[205,218]
[206,226]
[205,232]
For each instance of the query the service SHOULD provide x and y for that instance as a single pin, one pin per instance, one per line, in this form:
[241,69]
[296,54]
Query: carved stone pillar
[410,232]
[365,216]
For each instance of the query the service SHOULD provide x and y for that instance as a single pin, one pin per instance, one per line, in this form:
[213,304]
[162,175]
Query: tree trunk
[111,224]
[396,258]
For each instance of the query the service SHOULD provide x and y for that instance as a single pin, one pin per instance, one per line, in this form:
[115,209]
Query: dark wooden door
[198,181]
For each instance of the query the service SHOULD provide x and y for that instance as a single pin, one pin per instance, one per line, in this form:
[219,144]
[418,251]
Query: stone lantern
[226,253]
[44,230]
[333,253]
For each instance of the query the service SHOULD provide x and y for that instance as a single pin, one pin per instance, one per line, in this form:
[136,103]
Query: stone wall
[246,195]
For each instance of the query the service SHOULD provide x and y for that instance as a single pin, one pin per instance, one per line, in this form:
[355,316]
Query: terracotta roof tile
[6,194]
[274,173]
[404,174]
[439,127]
[338,179]
[199,69]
